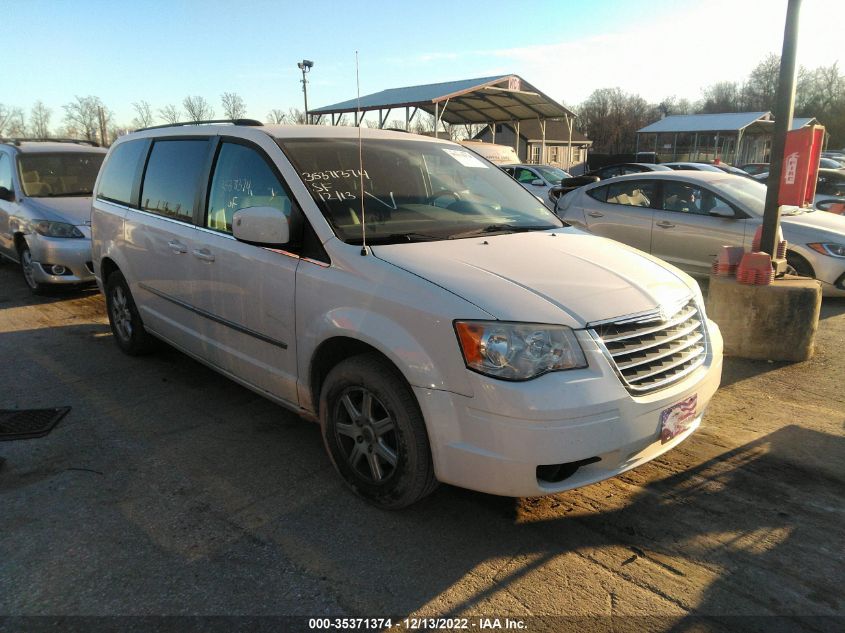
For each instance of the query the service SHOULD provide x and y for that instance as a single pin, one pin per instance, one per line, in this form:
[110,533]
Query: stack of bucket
[755,245]
[727,262]
[755,269]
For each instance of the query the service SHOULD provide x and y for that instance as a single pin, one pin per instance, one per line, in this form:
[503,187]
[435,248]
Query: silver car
[685,217]
[537,179]
[45,209]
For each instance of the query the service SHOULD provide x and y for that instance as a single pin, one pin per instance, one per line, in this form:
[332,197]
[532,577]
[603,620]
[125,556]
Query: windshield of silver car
[413,190]
[57,175]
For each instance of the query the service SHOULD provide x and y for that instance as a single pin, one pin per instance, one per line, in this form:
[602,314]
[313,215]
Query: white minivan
[436,319]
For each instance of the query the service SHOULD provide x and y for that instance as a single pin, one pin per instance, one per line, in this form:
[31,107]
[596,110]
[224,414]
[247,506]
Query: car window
[120,170]
[685,198]
[172,177]
[242,179]
[5,171]
[634,193]
[598,193]
[525,175]
[633,169]
[610,172]
[45,175]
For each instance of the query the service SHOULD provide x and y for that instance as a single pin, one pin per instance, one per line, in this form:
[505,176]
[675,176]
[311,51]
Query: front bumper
[72,253]
[494,441]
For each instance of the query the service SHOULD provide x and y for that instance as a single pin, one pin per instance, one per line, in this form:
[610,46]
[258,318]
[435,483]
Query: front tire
[800,265]
[375,434]
[124,319]
[28,270]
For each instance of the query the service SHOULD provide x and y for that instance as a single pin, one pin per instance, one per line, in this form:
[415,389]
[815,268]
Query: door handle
[595,214]
[665,225]
[177,247]
[204,254]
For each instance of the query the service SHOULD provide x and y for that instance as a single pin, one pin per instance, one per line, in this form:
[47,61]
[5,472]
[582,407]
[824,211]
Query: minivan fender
[354,329]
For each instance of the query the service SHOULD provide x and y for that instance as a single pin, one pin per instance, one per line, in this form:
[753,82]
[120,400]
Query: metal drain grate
[23,424]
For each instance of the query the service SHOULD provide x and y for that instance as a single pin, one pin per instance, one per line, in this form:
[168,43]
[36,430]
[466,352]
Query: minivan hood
[563,276]
[73,209]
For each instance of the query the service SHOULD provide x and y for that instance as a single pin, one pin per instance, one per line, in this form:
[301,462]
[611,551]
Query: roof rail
[251,122]
[20,139]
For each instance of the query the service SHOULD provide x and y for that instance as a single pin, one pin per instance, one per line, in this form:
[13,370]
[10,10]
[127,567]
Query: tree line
[611,117]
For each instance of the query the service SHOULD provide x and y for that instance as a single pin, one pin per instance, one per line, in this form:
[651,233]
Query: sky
[163,50]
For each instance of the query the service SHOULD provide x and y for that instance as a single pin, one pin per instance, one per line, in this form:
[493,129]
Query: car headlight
[828,248]
[518,351]
[56,229]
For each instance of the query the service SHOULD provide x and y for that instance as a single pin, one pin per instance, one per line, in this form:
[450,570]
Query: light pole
[305,66]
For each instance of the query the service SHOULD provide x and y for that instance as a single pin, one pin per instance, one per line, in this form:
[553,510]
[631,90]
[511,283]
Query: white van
[467,336]
[496,154]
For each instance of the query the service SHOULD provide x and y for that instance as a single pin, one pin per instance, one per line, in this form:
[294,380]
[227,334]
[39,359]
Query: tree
[83,115]
[13,122]
[197,108]
[143,114]
[721,97]
[760,91]
[296,116]
[40,120]
[170,114]
[276,117]
[233,106]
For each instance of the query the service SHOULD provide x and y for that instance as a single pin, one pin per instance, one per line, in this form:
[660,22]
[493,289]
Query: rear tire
[375,434]
[124,319]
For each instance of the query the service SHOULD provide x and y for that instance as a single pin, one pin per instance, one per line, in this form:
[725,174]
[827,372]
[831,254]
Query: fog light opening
[555,473]
[57,269]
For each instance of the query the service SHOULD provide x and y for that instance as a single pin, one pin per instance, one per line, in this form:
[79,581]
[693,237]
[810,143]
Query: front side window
[5,171]
[172,178]
[413,190]
[633,193]
[242,179]
[120,171]
[60,174]
[686,198]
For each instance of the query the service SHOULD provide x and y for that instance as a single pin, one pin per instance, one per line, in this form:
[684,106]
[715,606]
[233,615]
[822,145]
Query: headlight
[56,229]
[518,351]
[828,248]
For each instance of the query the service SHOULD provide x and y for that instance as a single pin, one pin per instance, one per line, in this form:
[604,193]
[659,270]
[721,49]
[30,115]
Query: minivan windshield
[45,175]
[413,190]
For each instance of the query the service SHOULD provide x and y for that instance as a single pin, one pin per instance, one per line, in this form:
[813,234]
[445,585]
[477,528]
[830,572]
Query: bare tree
[296,116]
[198,108]
[12,122]
[143,114]
[40,120]
[83,115]
[233,106]
[276,117]
[170,114]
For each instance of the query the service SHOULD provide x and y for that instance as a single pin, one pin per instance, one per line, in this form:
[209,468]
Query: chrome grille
[653,350]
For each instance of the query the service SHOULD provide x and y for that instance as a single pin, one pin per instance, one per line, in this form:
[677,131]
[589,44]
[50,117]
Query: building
[734,137]
[561,149]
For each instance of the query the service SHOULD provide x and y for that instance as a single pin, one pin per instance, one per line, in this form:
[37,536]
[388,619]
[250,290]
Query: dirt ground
[170,490]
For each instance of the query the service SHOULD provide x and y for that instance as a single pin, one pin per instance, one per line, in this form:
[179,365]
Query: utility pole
[784,108]
[102,116]
[305,66]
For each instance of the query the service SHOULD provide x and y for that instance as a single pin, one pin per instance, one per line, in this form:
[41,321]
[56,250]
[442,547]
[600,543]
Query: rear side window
[599,193]
[5,171]
[120,171]
[172,178]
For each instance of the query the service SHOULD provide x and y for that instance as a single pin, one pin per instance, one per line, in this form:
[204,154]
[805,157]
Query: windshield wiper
[500,228]
[396,238]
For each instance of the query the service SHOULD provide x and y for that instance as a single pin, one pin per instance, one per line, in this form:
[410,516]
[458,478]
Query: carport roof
[727,122]
[497,99]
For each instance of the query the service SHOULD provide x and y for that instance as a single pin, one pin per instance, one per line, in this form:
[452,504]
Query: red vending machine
[801,166]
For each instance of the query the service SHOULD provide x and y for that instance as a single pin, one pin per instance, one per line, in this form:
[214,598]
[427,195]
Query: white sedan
[684,217]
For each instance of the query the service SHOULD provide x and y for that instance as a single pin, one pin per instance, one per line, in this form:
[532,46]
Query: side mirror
[262,226]
[6,194]
[722,211]
[537,182]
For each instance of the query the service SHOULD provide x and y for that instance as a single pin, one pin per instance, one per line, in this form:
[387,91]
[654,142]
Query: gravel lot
[170,490]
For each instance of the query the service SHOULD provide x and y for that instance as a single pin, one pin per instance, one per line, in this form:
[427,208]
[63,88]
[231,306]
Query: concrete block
[775,322]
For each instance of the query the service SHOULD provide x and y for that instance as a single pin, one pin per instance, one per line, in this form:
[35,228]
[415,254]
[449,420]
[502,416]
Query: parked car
[468,336]
[830,188]
[755,168]
[714,167]
[625,168]
[537,179]
[45,209]
[685,217]
[831,163]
